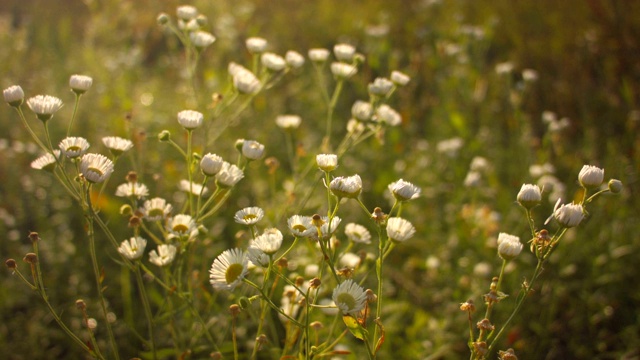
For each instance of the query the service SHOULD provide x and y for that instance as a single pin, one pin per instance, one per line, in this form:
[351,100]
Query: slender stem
[96,271]
[147,309]
[33,134]
[75,112]
[189,159]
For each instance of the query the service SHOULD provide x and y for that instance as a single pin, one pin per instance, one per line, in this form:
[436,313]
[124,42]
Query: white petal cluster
[229,175]
[181,225]
[342,70]
[301,226]
[117,145]
[294,59]
[45,162]
[529,196]
[132,189]
[273,62]
[201,39]
[269,242]
[318,55]
[156,209]
[252,150]
[327,162]
[288,121]
[44,106]
[228,269]
[386,114]
[591,176]
[164,256]
[191,187]
[399,229]
[357,233]
[133,248]
[399,78]
[211,164]
[249,215]
[349,187]
[73,147]
[509,246]
[80,83]
[344,52]
[190,119]
[186,12]
[96,168]
[362,110]
[404,190]
[569,215]
[349,297]
[380,86]
[256,45]
[13,95]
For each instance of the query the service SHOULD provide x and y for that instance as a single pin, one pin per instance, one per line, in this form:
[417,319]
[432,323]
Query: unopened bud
[132,177]
[234,310]
[164,135]
[34,237]
[299,281]
[11,263]
[239,144]
[135,221]
[162,19]
[615,186]
[315,283]
[126,210]
[31,258]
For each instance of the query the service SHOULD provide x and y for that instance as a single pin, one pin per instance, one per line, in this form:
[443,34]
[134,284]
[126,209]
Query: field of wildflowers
[324,179]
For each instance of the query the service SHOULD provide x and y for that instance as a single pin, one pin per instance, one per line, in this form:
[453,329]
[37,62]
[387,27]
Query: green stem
[75,112]
[147,310]
[33,134]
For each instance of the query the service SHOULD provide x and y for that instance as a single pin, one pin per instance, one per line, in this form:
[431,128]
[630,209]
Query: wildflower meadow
[326,179]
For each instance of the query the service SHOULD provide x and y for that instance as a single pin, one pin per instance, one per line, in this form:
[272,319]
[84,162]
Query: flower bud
[569,215]
[615,186]
[13,95]
[11,263]
[31,258]
[591,176]
[529,196]
[162,19]
[164,135]
[34,237]
[79,84]
[126,210]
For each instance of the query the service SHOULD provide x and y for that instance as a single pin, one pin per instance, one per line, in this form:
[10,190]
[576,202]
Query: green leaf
[354,327]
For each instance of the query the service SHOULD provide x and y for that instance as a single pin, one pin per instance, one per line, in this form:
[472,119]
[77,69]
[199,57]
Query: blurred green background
[483,72]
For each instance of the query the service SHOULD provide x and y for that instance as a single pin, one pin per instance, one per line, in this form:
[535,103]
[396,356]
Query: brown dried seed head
[234,310]
[11,263]
[315,283]
[31,258]
[132,177]
[80,304]
[34,237]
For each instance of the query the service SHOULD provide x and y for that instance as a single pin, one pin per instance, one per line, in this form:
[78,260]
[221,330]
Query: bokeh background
[518,83]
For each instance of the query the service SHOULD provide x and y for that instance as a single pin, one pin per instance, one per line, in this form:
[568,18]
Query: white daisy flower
[13,95]
[529,196]
[201,39]
[211,164]
[186,12]
[568,215]
[399,78]
[96,168]
[404,190]
[327,162]
[46,162]
[362,110]
[273,62]
[387,115]
[258,257]
[399,229]
[349,297]
[156,209]
[164,256]
[195,189]
[181,225]
[294,59]
[256,45]
[269,242]
[288,121]
[249,215]
[132,189]
[357,233]
[344,52]
[44,106]
[246,82]
[73,147]
[229,175]
[252,150]
[380,86]
[350,260]
[349,186]
[117,145]
[318,55]
[327,229]
[79,84]
[591,176]
[133,248]
[509,246]
[228,269]
[190,119]
[342,70]
[301,226]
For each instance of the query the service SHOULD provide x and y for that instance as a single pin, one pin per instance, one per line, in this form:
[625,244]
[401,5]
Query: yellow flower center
[233,273]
